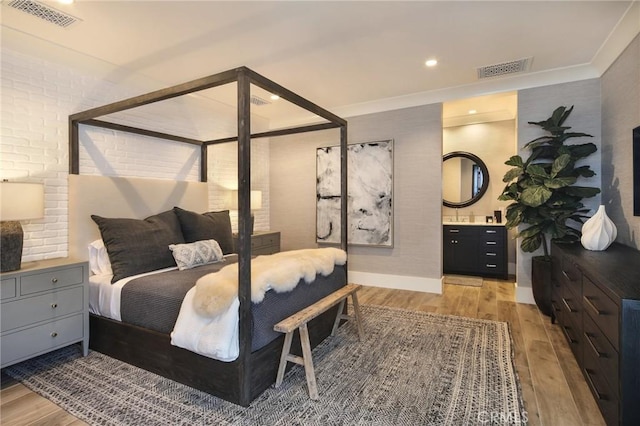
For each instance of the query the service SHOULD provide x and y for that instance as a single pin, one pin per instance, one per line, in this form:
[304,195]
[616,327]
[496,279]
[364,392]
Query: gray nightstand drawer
[31,310]
[40,339]
[50,280]
[8,289]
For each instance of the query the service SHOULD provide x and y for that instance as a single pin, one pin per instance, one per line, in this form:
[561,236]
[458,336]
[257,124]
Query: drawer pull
[592,306]
[54,305]
[567,305]
[454,231]
[593,386]
[491,243]
[490,265]
[598,353]
[491,254]
[566,333]
[54,280]
[54,334]
[488,231]
[567,276]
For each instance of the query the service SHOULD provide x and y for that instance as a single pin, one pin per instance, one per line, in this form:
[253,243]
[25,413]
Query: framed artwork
[370,194]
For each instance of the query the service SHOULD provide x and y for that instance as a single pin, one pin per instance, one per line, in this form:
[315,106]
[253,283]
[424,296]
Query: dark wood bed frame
[251,373]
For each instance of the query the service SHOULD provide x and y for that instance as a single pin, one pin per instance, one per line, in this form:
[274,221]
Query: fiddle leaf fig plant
[543,189]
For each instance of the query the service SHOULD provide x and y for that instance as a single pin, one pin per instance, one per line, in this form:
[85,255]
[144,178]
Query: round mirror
[465,179]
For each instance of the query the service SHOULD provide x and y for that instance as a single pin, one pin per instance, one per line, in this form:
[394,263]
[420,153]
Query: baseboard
[400,282]
[524,295]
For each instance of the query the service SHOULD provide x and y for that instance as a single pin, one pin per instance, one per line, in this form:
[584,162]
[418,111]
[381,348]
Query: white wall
[37,98]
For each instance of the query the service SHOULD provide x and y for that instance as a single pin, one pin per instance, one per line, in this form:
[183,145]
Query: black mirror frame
[485,181]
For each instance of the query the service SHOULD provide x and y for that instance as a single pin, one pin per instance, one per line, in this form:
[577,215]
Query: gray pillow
[136,246]
[207,226]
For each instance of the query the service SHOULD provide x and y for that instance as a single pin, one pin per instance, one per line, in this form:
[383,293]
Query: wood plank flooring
[554,390]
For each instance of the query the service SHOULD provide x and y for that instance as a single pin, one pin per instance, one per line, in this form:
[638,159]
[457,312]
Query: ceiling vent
[512,67]
[258,101]
[45,12]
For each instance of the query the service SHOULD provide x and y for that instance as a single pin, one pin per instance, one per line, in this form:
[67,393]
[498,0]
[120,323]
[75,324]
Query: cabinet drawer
[569,276]
[258,241]
[43,338]
[31,310]
[602,309]
[601,391]
[50,280]
[8,288]
[603,356]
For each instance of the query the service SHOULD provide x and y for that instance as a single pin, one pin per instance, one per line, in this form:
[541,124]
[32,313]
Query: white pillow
[190,255]
[99,262]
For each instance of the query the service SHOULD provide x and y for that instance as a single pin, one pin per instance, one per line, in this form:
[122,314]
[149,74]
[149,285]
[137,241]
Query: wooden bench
[300,319]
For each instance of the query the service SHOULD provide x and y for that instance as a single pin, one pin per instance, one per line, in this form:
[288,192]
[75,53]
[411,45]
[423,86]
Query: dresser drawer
[265,240]
[8,288]
[31,310]
[604,312]
[34,283]
[569,276]
[601,390]
[36,340]
[572,334]
[603,356]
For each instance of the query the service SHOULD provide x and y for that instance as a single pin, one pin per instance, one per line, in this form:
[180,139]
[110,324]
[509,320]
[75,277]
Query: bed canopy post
[244,235]
[343,189]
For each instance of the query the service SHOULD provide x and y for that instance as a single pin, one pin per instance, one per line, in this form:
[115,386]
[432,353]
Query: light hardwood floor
[554,390]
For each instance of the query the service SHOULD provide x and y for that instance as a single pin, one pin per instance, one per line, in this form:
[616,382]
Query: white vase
[598,232]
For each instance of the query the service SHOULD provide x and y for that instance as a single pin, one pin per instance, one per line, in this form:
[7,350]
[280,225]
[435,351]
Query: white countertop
[472,224]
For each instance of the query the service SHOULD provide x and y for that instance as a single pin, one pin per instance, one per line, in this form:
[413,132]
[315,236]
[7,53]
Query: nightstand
[45,306]
[262,242]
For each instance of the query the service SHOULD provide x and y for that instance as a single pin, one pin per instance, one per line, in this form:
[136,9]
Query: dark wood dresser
[596,301]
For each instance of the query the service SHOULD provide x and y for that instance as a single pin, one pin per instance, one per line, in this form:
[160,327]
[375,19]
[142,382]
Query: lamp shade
[256,200]
[21,201]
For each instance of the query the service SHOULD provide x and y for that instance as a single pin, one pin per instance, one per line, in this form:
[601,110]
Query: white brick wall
[37,98]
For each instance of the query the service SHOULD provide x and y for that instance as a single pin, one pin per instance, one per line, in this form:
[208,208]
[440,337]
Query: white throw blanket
[208,319]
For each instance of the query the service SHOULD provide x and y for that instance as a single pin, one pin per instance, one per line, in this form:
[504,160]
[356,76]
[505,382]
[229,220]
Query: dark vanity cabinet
[596,302]
[475,250]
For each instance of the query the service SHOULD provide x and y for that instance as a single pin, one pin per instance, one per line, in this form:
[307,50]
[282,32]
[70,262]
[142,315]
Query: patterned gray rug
[413,368]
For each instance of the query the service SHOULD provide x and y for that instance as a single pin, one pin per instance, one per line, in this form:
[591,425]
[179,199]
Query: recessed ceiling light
[275,97]
[472,111]
[431,62]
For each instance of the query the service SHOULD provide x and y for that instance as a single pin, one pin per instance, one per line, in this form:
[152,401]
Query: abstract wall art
[370,194]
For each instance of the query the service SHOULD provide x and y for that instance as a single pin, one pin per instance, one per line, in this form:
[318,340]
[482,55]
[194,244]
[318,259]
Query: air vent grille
[258,101]
[512,67]
[45,12]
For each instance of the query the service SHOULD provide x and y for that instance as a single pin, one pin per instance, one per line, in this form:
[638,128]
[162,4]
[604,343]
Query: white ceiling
[349,57]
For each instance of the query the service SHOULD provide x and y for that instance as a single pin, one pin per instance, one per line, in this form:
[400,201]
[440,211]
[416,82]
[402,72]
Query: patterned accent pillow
[194,254]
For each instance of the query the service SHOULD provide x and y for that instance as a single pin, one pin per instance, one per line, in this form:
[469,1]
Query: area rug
[412,368]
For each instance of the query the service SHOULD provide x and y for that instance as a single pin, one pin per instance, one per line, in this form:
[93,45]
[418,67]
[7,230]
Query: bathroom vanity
[475,249]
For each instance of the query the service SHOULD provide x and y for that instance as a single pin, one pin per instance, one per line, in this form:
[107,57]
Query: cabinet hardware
[592,385]
[490,231]
[567,305]
[592,306]
[54,280]
[566,333]
[598,353]
[490,254]
[491,243]
[54,305]
[54,334]
[454,231]
[489,265]
[566,275]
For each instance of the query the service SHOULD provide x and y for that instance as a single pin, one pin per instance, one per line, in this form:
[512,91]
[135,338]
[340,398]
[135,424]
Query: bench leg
[339,316]
[283,358]
[308,362]
[358,315]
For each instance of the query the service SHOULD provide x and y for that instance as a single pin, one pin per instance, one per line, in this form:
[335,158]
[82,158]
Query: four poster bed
[134,219]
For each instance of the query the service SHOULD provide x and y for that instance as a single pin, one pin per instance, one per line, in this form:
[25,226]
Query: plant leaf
[560,182]
[512,174]
[532,243]
[535,196]
[582,150]
[537,170]
[515,161]
[559,164]
[582,191]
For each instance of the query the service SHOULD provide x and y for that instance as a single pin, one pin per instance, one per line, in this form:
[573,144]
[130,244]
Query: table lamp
[256,203]
[18,201]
